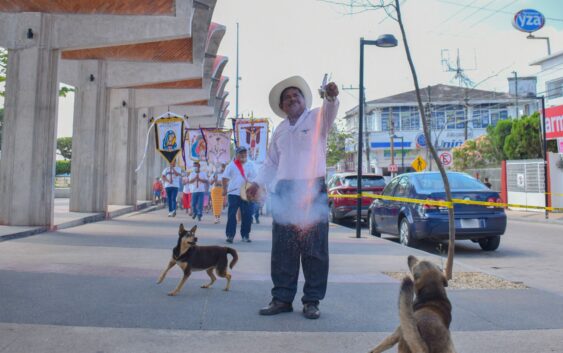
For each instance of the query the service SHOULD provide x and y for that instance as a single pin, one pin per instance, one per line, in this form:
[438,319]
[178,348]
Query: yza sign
[528,20]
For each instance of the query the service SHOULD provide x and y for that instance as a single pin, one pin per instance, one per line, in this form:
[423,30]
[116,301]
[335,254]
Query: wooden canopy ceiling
[175,50]
[121,7]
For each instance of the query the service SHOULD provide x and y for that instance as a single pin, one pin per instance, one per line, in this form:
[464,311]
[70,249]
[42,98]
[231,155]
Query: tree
[3,68]
[64,147]
[388,7]
[62,167]
[336,144]
[497,135]
[524,140]
[1,125]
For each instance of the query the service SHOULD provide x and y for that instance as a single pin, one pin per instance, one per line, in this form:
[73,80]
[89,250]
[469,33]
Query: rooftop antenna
[460,72]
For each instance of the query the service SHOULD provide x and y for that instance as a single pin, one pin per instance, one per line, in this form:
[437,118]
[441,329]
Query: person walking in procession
[296,158]
[198,182]
[157,190]
[171,177]
[237,174]
[186,192]
[217,193]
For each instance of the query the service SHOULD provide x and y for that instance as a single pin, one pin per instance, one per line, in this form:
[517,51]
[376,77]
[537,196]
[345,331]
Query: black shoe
[199,218]
[194,216]
[257,221]
[246,240]
[230,240]
[276,307]
[311,311]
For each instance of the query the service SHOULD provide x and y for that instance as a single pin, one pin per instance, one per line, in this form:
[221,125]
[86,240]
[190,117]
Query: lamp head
[386,41]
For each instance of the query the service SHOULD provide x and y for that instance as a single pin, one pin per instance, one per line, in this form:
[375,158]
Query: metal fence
[494,175]
[525,176]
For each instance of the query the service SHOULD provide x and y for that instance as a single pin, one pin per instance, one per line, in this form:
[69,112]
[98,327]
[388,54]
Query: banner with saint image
[169,136]
[253,134]
[195,146]
[218,146]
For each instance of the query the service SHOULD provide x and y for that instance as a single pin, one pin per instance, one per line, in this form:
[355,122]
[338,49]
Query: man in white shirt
[198,181]
[238,172]
[171,177]
[297,160]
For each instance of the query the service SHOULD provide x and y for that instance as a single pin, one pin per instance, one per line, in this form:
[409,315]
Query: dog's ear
[181,229]
[412,260]
[194,228]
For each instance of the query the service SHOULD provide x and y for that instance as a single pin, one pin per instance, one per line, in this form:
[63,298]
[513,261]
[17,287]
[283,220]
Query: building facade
[394,127]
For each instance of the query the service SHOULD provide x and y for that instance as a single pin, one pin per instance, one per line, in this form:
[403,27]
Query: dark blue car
[413,222]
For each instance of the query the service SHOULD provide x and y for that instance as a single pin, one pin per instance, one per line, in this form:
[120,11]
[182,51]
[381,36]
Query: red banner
[554,122]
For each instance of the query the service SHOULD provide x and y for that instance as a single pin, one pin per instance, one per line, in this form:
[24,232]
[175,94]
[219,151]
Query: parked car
[414,222]
[347,184]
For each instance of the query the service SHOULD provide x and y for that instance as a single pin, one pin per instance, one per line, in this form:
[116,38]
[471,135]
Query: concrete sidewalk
[92,288]
[535,216]
[63,218]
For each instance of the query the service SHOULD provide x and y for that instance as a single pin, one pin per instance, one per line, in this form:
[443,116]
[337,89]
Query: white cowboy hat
[294,81]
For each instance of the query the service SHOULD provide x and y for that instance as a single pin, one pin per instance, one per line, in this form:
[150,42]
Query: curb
[141,208]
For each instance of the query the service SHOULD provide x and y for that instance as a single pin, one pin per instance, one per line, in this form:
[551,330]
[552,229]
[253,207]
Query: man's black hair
[285,89]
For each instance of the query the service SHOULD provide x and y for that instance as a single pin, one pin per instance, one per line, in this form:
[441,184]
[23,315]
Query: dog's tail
[234,254]
[409,329]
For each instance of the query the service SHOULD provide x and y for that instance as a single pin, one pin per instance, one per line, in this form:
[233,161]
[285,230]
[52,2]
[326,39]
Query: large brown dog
[424,324]
[190,257]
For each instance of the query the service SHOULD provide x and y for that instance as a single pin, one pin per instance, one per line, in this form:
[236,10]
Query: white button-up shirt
[298,152]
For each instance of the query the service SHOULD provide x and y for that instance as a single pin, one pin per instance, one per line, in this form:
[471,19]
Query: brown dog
[424,323]
[190,257]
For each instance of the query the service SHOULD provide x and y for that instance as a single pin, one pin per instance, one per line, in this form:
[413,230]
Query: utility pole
[429,115]
[392,143]
[366,130]
[238,77]
[466,101]
[516,93]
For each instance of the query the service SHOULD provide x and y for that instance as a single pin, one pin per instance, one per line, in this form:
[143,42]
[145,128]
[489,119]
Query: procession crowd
[198,192]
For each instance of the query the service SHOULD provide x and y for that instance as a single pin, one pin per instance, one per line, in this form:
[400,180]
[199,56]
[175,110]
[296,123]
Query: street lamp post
[402,151]
[384,41]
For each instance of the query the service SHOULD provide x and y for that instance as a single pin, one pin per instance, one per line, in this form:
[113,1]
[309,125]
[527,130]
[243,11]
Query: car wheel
[490,243]
[373,226]
[405,235]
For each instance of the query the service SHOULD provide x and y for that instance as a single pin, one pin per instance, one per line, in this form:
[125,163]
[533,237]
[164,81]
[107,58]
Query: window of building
[554,88]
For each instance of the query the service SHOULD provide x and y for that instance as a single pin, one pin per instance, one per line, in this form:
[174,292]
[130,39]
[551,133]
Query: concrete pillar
[145,175]
[27,167]
[122,148]
[90,139]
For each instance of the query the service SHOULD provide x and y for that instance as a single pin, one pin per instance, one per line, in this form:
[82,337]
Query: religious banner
[195,146]
[253,134]
[169,136]
[218,146]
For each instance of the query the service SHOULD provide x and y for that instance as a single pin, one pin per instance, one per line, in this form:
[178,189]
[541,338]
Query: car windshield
[432,182]
[367,182]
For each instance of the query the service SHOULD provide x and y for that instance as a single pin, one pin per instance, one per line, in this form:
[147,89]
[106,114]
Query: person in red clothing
[157,190]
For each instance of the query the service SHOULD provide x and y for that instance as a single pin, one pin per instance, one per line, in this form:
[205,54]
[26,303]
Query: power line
[493,13]
[505,12]
[458,12]
[478,9]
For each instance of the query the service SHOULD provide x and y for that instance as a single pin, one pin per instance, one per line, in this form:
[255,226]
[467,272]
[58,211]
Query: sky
[279,39]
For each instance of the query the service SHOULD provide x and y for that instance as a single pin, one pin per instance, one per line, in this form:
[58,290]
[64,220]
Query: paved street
[92,288]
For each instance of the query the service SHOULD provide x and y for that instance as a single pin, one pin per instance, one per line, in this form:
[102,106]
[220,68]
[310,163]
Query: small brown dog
[190,257]
[424,323]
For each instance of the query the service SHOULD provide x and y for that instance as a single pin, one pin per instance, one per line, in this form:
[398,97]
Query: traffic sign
[419,164]
[393,168]
[446,158]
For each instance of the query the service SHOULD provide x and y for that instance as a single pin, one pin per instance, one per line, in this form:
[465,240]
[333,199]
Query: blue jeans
[197,203]
[235,202]
[171,195]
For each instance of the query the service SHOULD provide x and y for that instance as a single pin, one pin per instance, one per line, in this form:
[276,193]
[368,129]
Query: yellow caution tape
[443,203]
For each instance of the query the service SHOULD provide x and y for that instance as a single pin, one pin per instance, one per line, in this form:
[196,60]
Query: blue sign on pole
[528,20]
